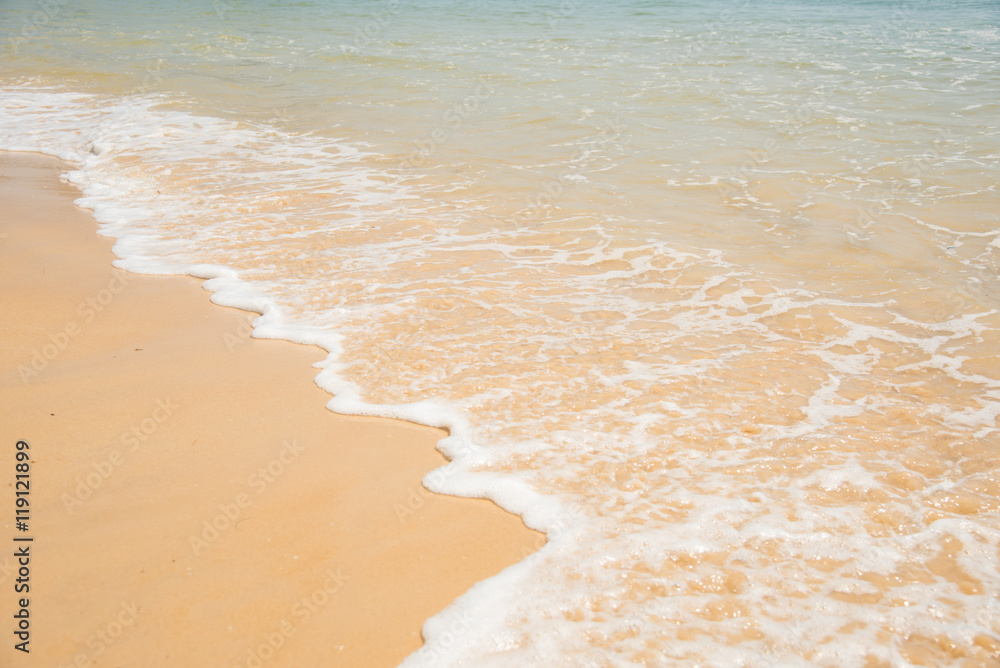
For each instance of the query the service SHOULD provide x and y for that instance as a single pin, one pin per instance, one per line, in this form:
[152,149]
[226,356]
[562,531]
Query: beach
[705,293]
[192,502]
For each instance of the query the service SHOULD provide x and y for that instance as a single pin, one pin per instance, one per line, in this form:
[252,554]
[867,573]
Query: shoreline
[193,502]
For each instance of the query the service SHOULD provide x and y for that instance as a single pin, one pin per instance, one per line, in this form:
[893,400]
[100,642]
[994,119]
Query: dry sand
[150,415]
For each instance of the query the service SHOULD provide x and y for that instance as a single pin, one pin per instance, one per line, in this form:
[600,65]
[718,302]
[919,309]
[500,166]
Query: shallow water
[706,291]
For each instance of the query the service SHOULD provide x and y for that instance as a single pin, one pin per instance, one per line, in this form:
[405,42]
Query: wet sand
[192,502]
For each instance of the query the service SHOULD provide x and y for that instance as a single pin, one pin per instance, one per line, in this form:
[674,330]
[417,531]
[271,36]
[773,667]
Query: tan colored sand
[151,413]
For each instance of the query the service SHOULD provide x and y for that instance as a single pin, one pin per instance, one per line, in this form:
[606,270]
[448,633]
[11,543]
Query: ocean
[706,291]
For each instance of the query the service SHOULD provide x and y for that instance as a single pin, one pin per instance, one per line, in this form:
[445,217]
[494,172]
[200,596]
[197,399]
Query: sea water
[707,291]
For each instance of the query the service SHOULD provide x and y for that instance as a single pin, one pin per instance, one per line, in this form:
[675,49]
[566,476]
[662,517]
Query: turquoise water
[708,292]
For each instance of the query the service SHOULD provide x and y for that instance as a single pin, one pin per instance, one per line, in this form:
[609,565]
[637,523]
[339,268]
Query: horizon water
[708,292]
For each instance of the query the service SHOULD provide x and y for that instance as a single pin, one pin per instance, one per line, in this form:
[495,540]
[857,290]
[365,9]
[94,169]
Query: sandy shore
[192,502]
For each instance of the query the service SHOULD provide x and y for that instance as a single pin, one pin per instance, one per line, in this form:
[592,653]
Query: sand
[192,501]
